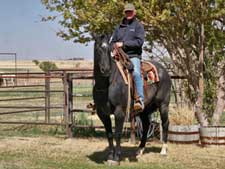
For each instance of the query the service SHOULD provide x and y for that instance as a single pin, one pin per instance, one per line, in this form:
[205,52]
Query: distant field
[82,87]
[24,66]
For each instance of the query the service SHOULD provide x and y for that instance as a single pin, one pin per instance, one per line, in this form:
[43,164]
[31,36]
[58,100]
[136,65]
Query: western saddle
[148,70]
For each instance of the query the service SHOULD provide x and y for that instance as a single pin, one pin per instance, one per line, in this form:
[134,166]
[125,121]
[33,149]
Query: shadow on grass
[87,132]
[127,153]
[92,132]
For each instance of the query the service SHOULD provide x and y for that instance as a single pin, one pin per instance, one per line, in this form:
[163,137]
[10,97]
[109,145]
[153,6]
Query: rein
[124,60]
[122,57]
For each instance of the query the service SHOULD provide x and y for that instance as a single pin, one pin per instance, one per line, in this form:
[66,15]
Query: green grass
[87,90]
[30,131]
[44,162]
[45,147]
[30,159]
[57,153]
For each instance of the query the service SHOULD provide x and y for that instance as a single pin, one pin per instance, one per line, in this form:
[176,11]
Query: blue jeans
[137,77]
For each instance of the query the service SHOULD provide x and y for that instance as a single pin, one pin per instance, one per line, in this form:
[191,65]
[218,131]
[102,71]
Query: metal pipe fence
[75,84]
[44,90]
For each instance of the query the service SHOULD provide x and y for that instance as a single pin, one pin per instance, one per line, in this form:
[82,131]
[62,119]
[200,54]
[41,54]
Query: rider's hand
[114,53]
[119,44]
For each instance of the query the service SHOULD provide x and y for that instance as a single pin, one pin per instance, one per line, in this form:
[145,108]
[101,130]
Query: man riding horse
[129,36]
[111,92]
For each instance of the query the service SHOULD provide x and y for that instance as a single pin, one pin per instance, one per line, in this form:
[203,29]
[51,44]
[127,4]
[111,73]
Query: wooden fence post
[68,103]
[47,97]
[70,112]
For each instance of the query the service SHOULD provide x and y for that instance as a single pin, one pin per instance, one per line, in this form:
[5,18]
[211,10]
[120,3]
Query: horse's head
[102,58]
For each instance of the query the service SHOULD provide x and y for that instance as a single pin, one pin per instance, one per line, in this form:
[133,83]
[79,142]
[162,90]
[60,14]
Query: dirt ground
[56,152]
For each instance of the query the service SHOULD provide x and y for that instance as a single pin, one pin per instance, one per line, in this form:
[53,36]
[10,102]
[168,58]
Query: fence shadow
[127,153]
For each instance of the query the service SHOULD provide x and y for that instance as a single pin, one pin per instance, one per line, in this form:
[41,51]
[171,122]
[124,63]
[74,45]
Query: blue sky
[22,32]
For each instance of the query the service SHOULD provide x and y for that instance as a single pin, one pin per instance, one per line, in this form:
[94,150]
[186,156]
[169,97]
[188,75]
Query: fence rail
[25,98]
[46,99]
[22,111]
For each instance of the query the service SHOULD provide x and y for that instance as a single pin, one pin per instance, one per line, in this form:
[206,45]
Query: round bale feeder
[184,134]
[212,135]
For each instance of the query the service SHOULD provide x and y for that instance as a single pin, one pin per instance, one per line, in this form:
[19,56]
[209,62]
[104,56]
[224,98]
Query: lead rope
[125,61]
[128,97]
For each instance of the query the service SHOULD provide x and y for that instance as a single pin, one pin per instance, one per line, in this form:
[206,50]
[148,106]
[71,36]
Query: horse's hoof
[140,152]
[164,150]
[110,156]
[163,153]
[113,163]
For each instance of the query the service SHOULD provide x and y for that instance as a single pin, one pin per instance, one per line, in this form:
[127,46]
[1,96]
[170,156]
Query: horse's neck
[101,82]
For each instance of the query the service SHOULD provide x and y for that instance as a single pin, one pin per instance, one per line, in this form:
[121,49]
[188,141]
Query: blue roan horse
[110,97]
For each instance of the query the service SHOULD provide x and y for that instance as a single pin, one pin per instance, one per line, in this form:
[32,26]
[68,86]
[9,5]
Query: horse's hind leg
[145,125]
[165,124]
[108,128]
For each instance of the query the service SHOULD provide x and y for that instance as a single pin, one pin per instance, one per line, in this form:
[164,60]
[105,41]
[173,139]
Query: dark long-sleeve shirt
[131,33]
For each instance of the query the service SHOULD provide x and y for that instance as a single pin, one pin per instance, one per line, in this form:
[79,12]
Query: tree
[45,65]
[36,62]
[80,19]
[220,106]
[186,29]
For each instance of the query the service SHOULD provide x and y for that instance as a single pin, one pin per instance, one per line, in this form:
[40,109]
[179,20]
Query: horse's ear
[94,36]
[109,36]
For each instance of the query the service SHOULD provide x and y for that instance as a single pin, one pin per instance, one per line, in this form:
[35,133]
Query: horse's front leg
[105,118]
[119,121]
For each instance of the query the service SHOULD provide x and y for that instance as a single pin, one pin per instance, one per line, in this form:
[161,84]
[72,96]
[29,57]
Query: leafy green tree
[36,62]
[80,19]
[186,29]
[47,66]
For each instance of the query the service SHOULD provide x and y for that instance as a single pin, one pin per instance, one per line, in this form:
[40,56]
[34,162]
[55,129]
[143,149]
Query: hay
[182,116]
